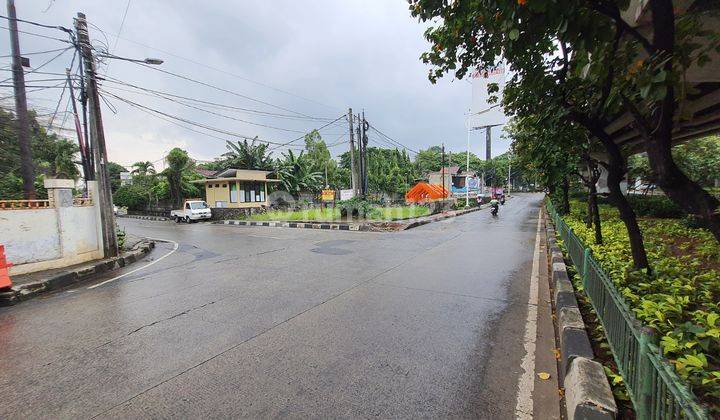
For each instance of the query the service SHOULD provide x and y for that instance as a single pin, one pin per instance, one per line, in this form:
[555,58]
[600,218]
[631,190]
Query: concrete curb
[442,216]
[357,227]
[299,225]
[587,391]
[65,278]
[134,216]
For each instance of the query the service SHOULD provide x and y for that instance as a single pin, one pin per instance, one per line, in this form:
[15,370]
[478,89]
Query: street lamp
[154,61]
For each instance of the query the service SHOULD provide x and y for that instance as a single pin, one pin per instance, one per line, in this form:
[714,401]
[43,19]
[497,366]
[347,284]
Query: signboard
[346,194]
[328,195]
[483,112]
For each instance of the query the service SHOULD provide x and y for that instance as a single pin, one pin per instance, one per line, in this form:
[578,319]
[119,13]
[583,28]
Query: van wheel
[187,219]
[177,219]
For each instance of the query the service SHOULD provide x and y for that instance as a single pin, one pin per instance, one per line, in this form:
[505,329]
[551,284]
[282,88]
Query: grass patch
[333,214]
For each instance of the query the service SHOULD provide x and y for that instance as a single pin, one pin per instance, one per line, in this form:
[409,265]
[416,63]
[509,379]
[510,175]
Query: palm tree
[178,162]
[63,164]
[143,168]
[296,175]
[244,155]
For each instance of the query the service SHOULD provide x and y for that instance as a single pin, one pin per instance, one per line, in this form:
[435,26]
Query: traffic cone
[5,281]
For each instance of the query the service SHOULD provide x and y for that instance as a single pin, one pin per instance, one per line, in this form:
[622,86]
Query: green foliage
[121,237]
[179,166]
[296,174]
[53,156]
[356,207]
[680,300]
[654,206]
[114,170]
[132,196]
[244,155]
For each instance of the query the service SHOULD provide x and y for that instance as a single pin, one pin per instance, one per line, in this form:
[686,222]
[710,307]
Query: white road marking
[175,248]
[526,384]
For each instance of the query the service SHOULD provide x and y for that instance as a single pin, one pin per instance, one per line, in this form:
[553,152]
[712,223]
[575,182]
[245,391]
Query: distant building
[125,178]
[237,188]
[455,179]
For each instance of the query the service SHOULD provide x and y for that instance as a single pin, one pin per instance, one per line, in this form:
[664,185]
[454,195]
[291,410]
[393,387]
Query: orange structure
[4,265]
[423,192]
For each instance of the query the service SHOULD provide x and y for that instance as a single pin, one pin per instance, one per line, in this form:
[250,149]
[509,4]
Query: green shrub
[356,207]
[680,300]
[134,197]
[655,206]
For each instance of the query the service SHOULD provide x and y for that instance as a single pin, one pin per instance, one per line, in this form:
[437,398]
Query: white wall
[55,237]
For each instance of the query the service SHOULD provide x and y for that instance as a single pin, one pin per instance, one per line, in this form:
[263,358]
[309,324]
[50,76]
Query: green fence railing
[656,391]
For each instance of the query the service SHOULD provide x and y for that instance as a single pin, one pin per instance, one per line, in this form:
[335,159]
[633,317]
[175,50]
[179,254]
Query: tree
[296,175]
[114,170]
[178,163]
[598,67]
[53,156]
[319,158]
[244,155]
[143,168]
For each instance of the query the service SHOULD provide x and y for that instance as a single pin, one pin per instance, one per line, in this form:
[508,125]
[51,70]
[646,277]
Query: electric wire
[39,35]
[220,89]
[225,72]
[186,121]
[205,102]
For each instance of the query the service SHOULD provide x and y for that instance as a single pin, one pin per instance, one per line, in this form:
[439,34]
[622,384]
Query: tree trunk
[595,214]
[589,219]
[565,186]
[616,172]
[686,193]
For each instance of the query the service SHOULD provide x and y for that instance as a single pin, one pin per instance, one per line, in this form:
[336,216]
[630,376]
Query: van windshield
[198,205]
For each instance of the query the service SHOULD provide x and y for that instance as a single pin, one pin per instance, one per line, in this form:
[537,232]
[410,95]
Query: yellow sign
[328,195]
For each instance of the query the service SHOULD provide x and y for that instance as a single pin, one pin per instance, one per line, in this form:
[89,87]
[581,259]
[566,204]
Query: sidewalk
[26,286]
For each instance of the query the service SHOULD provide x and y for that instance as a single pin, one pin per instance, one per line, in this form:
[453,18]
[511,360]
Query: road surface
[273,322]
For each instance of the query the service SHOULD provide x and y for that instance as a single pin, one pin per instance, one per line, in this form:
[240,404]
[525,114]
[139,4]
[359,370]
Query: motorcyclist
[495,206]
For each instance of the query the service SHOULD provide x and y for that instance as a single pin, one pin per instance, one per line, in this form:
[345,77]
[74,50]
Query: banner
[328,195]
[483,113]
[346,194]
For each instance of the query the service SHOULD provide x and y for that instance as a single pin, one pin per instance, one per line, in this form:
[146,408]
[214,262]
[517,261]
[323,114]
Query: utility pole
[364,140]
[488,143]
[26,160]
[97,140]
[84,155]
[509,184]
[467,170]
[358,132]
[442,168]
[353,175]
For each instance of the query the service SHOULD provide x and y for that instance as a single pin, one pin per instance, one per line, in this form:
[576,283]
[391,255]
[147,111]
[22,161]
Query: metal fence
[654,388]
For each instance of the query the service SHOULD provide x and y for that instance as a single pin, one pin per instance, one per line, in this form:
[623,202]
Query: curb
[299,225]
[587,391]
[63,279]
[357,227]
[442,216]
[134,216]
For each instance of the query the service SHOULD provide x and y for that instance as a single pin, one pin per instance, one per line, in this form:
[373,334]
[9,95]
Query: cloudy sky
[284,66]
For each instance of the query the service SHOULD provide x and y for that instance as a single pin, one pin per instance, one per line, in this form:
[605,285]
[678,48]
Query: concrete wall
[55,237]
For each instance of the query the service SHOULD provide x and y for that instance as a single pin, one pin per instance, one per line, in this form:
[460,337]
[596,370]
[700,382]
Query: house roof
[207,173]
[449,170]
[426,192]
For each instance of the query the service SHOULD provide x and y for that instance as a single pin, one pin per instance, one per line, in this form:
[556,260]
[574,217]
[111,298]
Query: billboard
[482,112]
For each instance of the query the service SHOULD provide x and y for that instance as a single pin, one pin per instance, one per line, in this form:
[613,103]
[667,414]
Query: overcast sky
[313,58]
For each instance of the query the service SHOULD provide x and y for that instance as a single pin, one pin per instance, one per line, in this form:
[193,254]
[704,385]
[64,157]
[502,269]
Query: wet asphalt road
[273,322]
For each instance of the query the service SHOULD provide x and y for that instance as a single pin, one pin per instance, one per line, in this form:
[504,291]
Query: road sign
[346,194]
[328,195]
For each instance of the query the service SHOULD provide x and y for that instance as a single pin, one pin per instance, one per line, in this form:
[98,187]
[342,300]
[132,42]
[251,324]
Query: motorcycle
[494,209]
[502,200]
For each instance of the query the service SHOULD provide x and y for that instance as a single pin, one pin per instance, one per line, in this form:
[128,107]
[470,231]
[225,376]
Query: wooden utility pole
[97,140]
[353,167]
[488,143]
[23,133]
[84,155]
[364,141]
[442,168]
